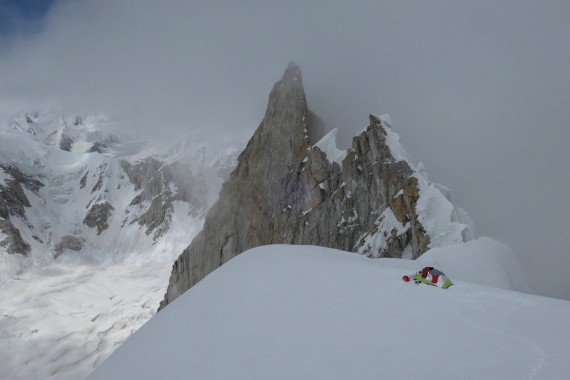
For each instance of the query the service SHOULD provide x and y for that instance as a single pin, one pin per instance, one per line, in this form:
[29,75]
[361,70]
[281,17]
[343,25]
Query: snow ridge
[338,314]
[443,221]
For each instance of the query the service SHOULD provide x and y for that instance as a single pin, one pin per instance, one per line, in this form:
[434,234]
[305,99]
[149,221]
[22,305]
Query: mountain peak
[286,190]
[287,97]
[292,72]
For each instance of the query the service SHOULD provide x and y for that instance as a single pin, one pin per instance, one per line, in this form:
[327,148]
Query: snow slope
[303,312]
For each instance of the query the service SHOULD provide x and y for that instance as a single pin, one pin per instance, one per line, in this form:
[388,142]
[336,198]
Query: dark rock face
[69,242]
[98,216]
[154,179]
[98,147]
[13,241]
[13,202]
[116,204]
[61,140]
[337,208]
[285,190]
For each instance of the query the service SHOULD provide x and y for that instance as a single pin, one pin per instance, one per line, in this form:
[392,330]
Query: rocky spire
[244,215]
[286,190]
[280,141]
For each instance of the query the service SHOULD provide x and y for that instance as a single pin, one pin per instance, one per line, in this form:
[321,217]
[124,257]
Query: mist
[478,91]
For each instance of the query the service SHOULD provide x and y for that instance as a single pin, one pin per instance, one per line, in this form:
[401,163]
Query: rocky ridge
[290,187]
[13,201]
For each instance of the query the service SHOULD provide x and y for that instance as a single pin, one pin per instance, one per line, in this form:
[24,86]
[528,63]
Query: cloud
[21,17]
[478,91]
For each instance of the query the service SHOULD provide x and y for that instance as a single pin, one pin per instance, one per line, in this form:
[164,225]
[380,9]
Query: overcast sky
[479,91]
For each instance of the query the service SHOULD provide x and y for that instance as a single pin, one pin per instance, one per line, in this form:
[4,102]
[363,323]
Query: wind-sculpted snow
[305,312]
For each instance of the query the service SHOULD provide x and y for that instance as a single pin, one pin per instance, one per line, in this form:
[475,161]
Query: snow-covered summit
[81,134]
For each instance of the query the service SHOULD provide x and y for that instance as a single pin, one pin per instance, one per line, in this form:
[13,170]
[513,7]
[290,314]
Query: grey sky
[478,91]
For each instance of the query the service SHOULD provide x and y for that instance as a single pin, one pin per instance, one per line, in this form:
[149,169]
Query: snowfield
[304,312]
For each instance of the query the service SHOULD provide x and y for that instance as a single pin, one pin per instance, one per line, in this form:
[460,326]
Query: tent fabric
[432,276]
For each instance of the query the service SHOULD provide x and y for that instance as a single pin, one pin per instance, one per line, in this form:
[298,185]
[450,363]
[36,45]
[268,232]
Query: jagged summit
[280,142]
[287,190]
[292,76]
[287,101]
[287,106]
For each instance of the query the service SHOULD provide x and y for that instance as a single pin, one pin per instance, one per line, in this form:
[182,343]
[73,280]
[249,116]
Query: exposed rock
[98,216]
[91,197]
[27,181]
[145,175]
[285,190]
[83,180]
[98,185]
[60,139]
[12,241]
[157,217]
[13,201]
[69,242]
[160,185]
[98,147]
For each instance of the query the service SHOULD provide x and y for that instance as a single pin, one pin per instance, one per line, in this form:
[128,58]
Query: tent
[432,276]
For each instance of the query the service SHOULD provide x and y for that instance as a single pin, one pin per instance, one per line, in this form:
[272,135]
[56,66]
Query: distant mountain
[292,185]
[71,185]
[82,134]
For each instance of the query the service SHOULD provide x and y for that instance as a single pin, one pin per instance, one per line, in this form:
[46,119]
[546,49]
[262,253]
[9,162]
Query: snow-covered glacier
[90,223]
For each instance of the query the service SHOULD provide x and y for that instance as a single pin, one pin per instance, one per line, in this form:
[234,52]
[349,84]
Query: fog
[478,91]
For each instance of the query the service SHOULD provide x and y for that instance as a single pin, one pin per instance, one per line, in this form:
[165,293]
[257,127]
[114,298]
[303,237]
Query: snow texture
[393,141]
[300,312]
[327,144]
[61,321]
[443,221]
